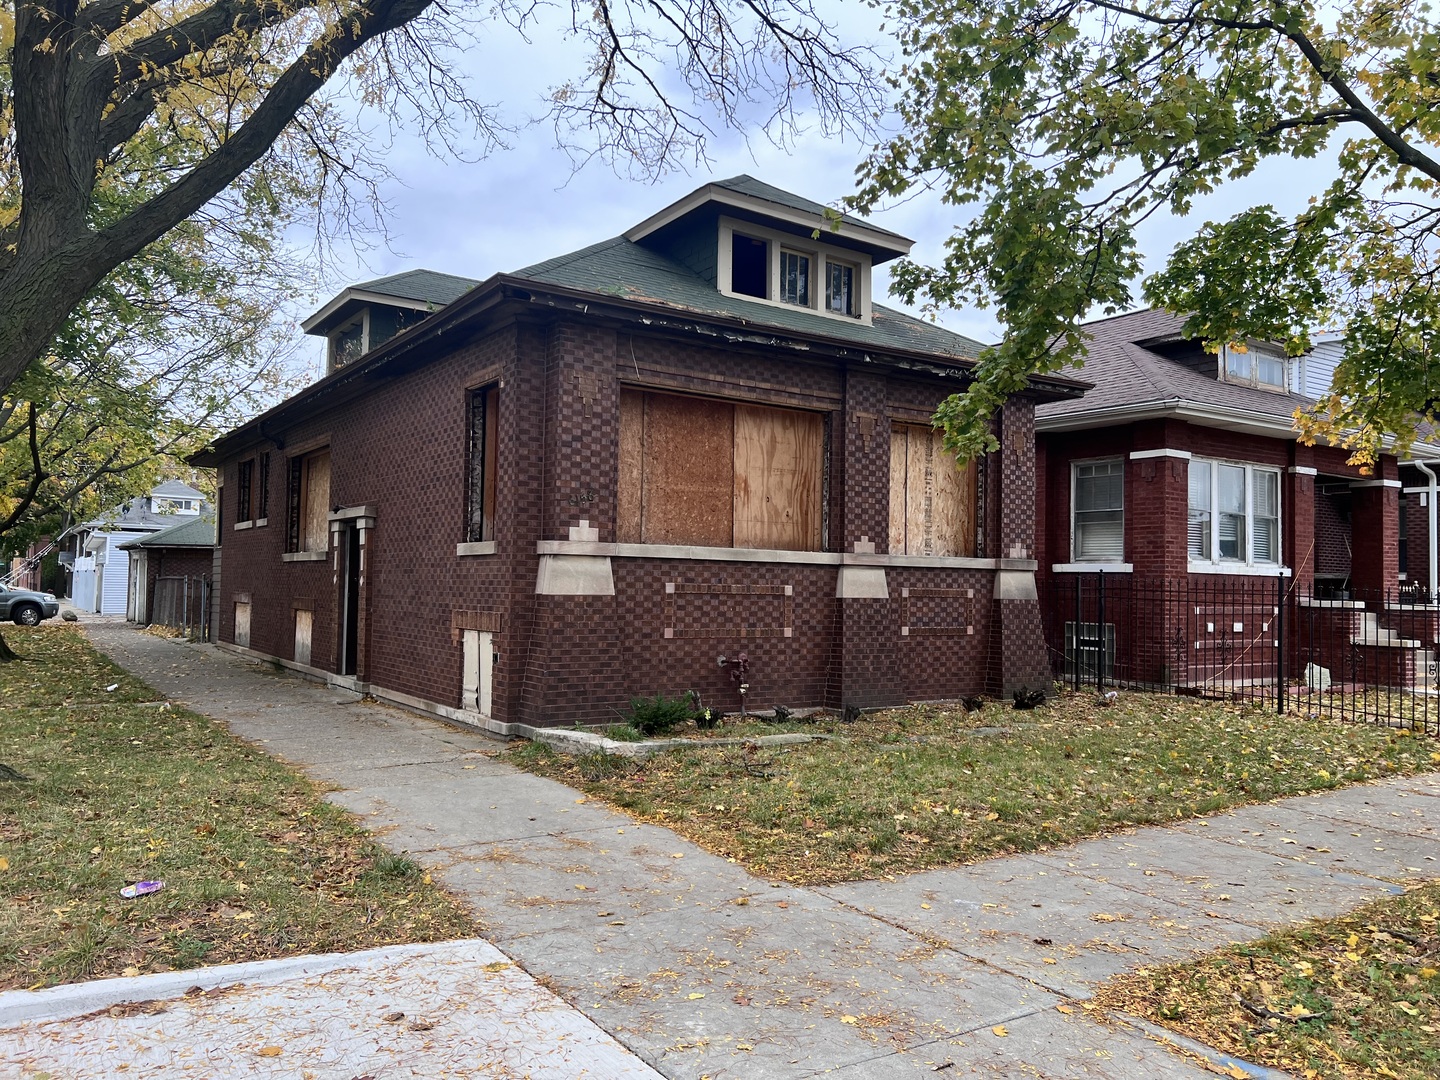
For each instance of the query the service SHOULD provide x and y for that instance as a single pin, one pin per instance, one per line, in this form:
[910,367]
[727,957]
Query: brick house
[177,563]
[521,501]
[1182,466]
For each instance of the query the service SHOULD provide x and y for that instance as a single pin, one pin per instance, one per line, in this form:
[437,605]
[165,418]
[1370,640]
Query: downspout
[1430,531]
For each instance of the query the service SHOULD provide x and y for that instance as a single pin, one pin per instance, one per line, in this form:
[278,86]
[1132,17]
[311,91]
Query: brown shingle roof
[1128,375]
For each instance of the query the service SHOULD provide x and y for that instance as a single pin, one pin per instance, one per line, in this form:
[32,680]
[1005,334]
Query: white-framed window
[351,340]
[1097,514]
[794,278]
[782,269]
[840,298]
[1255,365]
[1234,513]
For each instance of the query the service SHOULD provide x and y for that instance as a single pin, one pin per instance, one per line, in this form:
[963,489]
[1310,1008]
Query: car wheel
[27,615]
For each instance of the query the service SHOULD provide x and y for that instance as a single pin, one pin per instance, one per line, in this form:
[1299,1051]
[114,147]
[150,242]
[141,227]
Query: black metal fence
[1360,656]
[183,603]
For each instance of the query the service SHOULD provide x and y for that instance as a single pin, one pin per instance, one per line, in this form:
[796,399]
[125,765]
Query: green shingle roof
[624,270]
[192,532]
[744,184]
[423,286]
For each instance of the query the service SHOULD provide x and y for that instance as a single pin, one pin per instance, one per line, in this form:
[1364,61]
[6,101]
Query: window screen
[1198,528]
[1099,515]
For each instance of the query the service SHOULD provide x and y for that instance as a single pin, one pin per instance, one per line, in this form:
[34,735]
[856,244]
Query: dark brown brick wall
[400,448]
[193,563]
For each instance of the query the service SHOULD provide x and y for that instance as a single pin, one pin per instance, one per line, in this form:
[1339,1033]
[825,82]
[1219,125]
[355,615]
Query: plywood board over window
[932,499]
[713,473]
[778,456]
[316,500]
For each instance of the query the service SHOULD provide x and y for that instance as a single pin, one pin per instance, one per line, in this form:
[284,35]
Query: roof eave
[849,230]
[1242,420]
[503,287]
[317,321]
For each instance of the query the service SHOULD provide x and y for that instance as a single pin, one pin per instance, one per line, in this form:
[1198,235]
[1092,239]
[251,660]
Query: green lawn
[921,787]
[1357,996]
[123,787]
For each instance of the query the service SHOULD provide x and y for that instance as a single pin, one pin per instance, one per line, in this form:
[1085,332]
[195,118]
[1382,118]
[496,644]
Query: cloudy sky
[526,203]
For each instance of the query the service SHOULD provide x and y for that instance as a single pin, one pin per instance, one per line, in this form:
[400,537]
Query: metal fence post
[1075,639]
[1100,634]
[1281,691]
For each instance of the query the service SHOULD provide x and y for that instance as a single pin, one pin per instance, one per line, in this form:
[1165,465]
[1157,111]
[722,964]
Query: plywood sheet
[937,496]
[954,509]
[316,532]
[304,626]
[899,455]
[632,455]
[778,468]
[242,625]
[689,460]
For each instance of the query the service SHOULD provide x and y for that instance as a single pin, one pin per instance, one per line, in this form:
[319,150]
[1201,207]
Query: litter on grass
[141,888]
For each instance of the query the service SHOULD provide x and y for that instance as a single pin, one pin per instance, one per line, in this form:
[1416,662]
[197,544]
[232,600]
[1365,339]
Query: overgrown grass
[921,787]
[1357,996]
[256,864]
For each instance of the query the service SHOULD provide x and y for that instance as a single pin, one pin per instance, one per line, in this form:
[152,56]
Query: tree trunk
[6,653]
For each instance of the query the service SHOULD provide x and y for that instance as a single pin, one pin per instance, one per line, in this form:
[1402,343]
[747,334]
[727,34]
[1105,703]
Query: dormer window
[783,269]
[749,266]
[840,289]
[347,343]
[1255,366]
[794,278]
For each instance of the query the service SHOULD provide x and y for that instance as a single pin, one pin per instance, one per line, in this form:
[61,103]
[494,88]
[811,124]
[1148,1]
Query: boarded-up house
[522,501]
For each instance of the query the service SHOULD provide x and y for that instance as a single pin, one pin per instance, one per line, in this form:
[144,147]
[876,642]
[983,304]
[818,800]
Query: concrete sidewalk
[458,1009]
[702,970]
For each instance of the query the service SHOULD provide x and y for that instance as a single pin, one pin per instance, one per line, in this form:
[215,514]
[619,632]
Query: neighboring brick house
[1183,466]
[593,478]
[181,559]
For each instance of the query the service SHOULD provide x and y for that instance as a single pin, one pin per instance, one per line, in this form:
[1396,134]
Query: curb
[1222,1062]
[76,999]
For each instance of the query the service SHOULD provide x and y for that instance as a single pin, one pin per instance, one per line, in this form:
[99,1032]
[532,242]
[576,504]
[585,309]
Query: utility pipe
[1430,531]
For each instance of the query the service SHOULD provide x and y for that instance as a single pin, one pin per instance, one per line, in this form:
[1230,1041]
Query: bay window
[1234,514]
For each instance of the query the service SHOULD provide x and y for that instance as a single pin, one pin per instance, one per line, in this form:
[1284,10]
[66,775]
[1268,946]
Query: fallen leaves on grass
[1357,996]
[909,789]
[256,863]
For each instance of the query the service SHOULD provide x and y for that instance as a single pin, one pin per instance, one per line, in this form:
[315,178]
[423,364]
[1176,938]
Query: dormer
[367,315]
[1256,364]
[757,242]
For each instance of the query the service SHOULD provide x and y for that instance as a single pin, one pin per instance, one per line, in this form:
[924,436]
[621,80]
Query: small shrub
[659,715]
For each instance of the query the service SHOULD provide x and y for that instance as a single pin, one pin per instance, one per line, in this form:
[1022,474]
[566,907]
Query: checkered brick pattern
[400,446]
